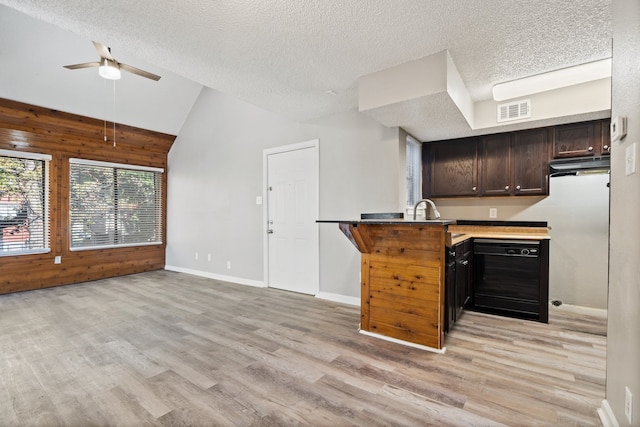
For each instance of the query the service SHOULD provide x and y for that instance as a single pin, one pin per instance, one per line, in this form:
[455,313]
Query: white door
[292,208]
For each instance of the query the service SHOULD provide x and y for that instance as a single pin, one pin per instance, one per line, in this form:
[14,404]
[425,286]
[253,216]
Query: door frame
[314,144]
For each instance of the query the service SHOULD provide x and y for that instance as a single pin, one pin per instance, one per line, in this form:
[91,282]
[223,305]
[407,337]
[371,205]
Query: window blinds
[114,205]
[24,221]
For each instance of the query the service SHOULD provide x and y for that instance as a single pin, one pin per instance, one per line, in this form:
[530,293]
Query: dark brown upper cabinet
[515,163]
[507,164]
[582,139]
[496,164]
[530,162]
[451,168]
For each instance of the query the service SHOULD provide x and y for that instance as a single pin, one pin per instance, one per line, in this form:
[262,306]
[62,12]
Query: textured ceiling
[284,55]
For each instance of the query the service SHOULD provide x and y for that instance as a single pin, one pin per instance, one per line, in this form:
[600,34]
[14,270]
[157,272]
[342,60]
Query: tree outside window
[23,222]
[114,206]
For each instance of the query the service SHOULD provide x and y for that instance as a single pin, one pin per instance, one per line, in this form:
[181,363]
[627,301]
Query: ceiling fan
[109,68]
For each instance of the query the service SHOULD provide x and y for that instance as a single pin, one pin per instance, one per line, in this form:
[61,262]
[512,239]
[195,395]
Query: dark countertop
[388,221]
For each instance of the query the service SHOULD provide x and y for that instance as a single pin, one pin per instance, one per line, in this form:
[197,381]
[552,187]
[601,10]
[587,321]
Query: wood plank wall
[403,281]
[62,135]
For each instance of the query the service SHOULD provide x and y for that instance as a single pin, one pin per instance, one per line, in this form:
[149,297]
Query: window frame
[46,226]
[417,176]
[115,166]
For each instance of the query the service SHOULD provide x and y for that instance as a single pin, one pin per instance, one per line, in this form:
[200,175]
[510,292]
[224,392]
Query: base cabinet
[458,281]
[450,291]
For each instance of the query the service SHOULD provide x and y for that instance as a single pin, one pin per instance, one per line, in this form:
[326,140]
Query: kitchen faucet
[426,212]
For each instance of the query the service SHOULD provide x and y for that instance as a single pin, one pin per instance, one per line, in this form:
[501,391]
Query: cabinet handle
[506,188]
[606,148]
[452,253]
[590,148]
[475,188]
[465,262]
[518,187]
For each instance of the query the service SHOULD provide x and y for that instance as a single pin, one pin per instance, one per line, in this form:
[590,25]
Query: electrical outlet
[209,257]
[493,212]
[628,404]
[228,265]
[57,260]
[196,256]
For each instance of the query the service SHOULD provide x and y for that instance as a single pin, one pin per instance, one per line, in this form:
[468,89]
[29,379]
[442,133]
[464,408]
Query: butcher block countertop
[459,233]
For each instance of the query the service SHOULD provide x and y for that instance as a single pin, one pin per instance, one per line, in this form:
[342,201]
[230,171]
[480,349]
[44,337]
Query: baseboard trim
[600,312]
[607,418]
[339,298]
[403,342]
[222,278]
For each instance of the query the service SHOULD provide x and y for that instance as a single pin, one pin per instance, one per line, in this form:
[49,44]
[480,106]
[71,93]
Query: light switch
[258,200]
[630,159]
[493,212]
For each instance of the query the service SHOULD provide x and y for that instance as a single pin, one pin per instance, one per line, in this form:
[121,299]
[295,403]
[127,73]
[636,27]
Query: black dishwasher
[511,278]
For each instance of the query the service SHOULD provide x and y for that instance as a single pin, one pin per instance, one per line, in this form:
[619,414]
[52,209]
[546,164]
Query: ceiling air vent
[514,110]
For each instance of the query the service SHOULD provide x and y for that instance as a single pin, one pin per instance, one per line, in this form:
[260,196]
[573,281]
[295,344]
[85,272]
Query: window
[24,222]
[414,171]
[113,205]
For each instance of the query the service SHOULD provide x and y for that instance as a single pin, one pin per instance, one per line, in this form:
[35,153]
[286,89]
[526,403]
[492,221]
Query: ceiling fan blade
[85,65]
[139,72]
[103,51]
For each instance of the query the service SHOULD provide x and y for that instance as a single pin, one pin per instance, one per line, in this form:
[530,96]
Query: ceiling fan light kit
[109,70]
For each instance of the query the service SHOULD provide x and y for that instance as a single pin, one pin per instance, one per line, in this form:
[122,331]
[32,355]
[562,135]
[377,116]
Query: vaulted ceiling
[301,59]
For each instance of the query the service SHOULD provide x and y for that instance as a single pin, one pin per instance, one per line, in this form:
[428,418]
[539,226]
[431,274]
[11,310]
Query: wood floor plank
[170,349]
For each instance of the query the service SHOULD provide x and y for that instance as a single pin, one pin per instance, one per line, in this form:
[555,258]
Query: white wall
[577,211]
[215,174]
[623,332]
[358,173]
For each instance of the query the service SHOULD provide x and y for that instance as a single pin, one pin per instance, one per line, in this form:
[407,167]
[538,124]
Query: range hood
[579,165]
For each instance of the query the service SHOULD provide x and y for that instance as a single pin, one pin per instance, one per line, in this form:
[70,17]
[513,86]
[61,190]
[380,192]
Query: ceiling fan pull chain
[106,110]
[114,114]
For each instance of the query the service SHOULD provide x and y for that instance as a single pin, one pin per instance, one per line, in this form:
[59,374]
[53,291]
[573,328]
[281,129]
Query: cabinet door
[574,140]
[468,257]
[454,168]
[496,157]
[450,294]
[462,276]
[530,162]
[605,137]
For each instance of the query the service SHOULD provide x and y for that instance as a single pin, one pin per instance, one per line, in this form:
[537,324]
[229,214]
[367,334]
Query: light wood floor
[166,348]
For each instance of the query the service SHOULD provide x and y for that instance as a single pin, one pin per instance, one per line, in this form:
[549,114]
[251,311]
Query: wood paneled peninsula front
[402,280]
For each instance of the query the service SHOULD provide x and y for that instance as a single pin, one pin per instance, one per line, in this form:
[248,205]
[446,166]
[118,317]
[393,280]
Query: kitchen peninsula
[402,278]
[403,266]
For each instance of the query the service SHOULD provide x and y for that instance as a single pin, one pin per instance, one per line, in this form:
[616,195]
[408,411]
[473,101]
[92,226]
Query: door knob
[518,187]
[506,188]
